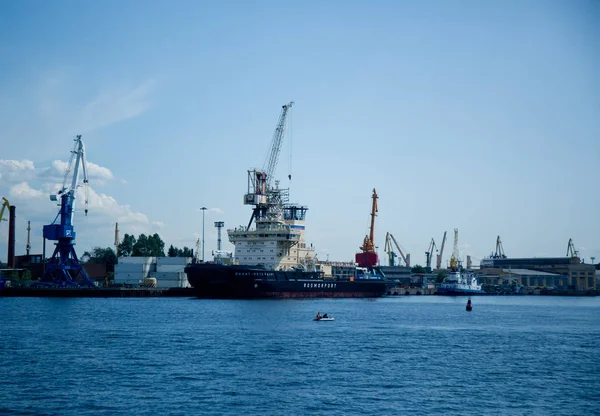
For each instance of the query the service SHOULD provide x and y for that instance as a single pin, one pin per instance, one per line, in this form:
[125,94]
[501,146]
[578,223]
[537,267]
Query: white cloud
[99,172]
[215,210]
[114,105]
[16,170]
[24,191]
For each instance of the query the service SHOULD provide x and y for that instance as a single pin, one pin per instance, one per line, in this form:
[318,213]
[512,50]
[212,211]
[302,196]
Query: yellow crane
[5,204]
[454,258]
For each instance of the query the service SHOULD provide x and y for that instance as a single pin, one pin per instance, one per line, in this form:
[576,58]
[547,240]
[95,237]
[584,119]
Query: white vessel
[460,284]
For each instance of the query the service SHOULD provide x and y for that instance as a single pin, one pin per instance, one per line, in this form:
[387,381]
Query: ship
[272,259]
[457,284]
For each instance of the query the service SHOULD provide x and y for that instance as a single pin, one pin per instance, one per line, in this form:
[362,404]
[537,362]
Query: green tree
[186,252]
[126,246]
[101,255]
[157,245]
[141,247]
[172,252]
[418,269]
[440,277]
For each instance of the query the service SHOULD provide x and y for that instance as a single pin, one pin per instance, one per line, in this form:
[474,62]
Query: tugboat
[459,283]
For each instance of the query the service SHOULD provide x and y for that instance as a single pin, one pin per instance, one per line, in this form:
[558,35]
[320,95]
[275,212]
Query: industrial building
[565,272]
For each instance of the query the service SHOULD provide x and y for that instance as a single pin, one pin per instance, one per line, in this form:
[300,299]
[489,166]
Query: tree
[440,277]
[101,255]
[418,269]
[157,246]
[178,252]
[149,246]
[140,248]
[126,246]
[186,252]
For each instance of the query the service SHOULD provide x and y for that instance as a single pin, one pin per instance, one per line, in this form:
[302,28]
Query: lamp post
[203,209]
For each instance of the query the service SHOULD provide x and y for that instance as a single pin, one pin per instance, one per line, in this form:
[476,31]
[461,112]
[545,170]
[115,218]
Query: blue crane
[64,268]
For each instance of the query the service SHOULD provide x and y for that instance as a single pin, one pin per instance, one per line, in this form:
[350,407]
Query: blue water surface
[417,355]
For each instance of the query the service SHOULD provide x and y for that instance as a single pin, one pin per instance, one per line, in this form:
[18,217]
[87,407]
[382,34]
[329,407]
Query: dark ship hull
[216,281]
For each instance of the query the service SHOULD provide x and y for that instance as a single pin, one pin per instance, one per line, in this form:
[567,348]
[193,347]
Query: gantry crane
[429,254]
[438,263]
[262,192]
[368,257]
[64,268]
[389,240]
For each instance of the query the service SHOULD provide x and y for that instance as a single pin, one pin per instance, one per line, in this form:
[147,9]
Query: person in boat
[325,316]
[318,316]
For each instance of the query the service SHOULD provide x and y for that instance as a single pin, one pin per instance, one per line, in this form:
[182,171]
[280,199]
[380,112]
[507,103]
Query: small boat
[469,306]
[324,319]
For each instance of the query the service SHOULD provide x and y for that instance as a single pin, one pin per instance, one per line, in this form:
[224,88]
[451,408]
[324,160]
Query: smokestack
[11,237]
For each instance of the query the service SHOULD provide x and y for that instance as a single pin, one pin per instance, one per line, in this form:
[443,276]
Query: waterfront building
[581,276]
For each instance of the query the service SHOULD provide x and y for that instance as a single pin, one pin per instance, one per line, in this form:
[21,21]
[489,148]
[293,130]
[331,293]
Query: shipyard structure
[546,272]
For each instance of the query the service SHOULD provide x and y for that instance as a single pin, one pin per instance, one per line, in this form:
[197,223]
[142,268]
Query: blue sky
[481,116]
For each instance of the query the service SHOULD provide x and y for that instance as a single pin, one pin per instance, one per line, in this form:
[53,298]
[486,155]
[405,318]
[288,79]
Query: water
[415,355]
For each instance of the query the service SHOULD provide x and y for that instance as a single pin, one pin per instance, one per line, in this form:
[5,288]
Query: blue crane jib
[64,268]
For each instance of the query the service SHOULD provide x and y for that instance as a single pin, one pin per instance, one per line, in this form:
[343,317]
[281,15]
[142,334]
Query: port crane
[64,268]
[368,257]
[438,263]
[389,240]
[571,252]
[263,193]
[499,254]
[5,205]
[454,258]
[429,254]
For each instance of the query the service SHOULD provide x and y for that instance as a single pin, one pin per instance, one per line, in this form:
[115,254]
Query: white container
[170,268]
[137,260]
[171,261]
[132,278]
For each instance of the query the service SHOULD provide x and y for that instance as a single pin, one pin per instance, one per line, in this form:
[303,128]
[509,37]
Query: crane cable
[290,143]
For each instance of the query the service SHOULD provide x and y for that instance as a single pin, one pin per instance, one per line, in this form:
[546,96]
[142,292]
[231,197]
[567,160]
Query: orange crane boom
[368,257]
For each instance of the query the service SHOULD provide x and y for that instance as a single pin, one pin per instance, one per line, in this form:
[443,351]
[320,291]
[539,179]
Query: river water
[416,355]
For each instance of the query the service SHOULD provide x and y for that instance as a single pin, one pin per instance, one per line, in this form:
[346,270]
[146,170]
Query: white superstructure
[457,282]
[277,244]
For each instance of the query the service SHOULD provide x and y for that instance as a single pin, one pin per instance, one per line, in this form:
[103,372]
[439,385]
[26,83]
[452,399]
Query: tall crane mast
[368,257]
[263,193]
[28,246]
[438,263]
[271,163]
[64,268]
[116,239]
[454,258]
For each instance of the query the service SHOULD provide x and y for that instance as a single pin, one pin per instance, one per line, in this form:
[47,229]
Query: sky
[477,116]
